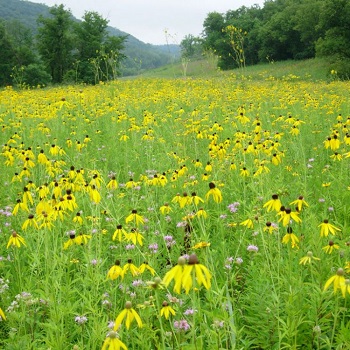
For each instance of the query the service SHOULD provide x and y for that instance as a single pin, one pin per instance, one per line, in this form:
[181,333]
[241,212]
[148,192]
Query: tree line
[280,30]
[63,50]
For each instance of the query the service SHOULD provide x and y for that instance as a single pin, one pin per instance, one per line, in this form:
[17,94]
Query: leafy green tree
[191,46]
[7,56]
[98,54]
[217,41]
[55,42]
[335,43]
[23,42]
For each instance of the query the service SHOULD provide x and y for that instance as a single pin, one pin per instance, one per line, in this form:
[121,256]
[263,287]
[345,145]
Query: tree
[335,43]
[55,42]
[7,54]
[98,55]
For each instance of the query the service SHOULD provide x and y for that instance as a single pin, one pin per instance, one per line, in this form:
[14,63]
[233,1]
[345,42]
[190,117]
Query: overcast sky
[147,20]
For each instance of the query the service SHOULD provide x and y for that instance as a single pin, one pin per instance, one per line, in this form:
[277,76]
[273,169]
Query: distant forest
[41,45]
[280,30]
[24,60]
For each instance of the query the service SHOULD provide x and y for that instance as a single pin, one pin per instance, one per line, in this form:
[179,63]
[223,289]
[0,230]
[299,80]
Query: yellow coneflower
[165,209]
[112,184]
[15,240]
[19,205]
[214,192]
[308,258]
[119,233]
[30,222]
[185,200]
[287,215]
[78,219]
[129,314]
[135,218]
[166,310]
[196,199]
[327,228]
[247,223]
[145,266]
[197,271]
[129,266]
[112,342]
[82,239]
[201,213]
[299,203]
[338,281]
[175,274]
[273,204]
[330,247]
[135,236]
[290,237]
[115,271]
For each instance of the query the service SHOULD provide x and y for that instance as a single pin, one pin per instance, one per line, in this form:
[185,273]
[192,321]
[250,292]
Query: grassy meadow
[204,213]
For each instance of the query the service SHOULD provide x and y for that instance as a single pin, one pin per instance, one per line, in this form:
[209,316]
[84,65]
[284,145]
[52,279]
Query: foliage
[55,42]
[282,30]
[139,56]
[243,173]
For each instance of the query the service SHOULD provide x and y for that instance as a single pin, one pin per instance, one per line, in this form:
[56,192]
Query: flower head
[166,310]
[15,240]
[129,314]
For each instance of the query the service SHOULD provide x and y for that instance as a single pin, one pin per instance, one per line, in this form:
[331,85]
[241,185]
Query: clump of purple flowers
[233,207]
[181,325]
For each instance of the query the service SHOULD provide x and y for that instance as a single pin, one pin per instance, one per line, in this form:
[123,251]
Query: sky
[150,20]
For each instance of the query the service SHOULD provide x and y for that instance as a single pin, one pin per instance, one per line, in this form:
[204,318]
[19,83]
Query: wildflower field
[176,214]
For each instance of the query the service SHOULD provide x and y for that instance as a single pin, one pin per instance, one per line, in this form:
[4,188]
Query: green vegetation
[19,16]
[235,192]
[313,69]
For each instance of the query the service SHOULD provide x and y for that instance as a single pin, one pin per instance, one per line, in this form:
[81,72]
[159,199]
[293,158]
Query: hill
[140,56]
[313,69]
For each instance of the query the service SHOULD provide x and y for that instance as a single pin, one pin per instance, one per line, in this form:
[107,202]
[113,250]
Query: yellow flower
[273,204]
[82,239]
[286,215]
[214,192]
[70,242]
[112,184]
[15,240]
[115,271]
[2,315]
[119,233]
[135,218]
[270,228]
[247,223]
[166,310]
[165,209]
[197,270]
[129,266]
[196,199]
[135,236]
[201,213]
[201,245]
[307,259]
[330,247]
[338,281]
[299,203]
[290,236]
[327,228]
[143,267]
[175,274]
[113,343]
[129,314]
[30,222]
